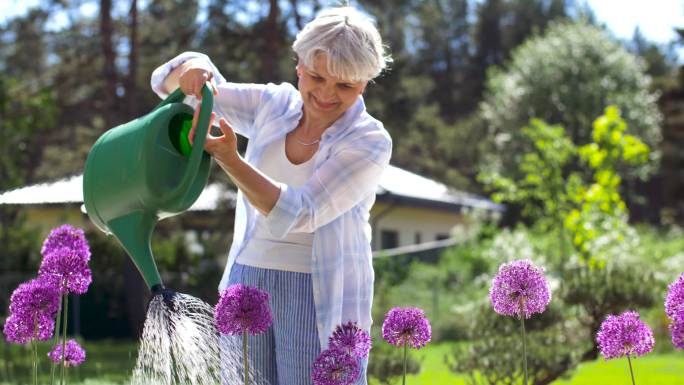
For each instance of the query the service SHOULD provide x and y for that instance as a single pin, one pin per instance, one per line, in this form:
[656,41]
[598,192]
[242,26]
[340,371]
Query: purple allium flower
[519,281]
[67,236]
[17,331]
[624,334]
[406,325]
[33,306]
[242,308]
[67,269]
[21,328]
[674,301]
[351,339]
[35,297]
[335,367]
[75,355]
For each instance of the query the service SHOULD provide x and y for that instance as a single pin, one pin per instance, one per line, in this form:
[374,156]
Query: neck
[311,127]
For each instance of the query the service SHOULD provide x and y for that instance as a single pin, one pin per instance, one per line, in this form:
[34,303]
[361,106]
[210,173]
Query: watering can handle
[200,135]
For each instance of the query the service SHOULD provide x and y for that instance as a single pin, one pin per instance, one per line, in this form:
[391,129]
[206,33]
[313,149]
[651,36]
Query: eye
[345,86]
[316,78]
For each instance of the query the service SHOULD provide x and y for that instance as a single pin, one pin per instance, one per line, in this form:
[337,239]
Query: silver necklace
[306,144]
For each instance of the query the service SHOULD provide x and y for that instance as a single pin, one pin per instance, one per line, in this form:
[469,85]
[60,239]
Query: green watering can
[146,170]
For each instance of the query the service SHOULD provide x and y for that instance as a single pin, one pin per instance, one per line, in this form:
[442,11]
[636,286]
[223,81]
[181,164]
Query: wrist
[229,162]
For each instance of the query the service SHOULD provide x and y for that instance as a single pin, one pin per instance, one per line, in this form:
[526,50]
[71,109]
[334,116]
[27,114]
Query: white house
[409,209]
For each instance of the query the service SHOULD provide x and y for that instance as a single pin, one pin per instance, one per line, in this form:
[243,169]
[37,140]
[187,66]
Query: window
[439,237]
[389,239]
[417,238]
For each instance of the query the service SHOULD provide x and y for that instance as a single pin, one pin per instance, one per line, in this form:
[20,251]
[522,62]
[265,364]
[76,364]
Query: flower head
[23,328]
[67,236]
[335,367]
[674,301]
[242,308]
[406,326]
[33,306]
[351,339]
[75,355]
[519,281]
[67,269]
[35,297]
[624,334]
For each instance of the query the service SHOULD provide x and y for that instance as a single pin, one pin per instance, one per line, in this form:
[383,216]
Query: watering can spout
[134,231]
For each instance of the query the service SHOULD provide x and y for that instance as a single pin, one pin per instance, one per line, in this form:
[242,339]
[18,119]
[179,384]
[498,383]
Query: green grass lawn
[655,369]
[110,363]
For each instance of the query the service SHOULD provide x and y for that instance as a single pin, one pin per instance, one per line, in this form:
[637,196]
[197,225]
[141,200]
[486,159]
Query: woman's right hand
[194,75]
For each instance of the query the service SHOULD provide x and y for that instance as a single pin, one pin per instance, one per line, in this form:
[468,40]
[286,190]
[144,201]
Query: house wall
[409,221]
[406,221]
[47,217]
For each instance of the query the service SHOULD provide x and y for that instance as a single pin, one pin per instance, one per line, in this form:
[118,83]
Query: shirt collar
[345,121]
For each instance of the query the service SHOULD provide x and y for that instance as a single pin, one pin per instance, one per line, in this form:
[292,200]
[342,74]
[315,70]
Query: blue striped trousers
[284,353]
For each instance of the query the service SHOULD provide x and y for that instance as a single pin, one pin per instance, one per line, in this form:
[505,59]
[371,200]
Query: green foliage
[567,76]
[494,355]
[386,362]
[553,192]
[599,210]
[540,190]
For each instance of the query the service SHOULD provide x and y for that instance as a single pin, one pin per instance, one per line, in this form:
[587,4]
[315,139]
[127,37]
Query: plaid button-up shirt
[335,202]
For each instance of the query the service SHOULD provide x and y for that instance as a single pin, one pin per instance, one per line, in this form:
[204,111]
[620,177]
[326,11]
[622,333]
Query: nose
[327,93]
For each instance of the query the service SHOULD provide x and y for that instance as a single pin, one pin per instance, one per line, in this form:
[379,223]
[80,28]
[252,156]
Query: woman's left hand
[222,148]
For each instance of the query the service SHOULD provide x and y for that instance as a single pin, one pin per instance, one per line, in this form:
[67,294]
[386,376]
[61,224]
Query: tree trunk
[109,66]
[269,58]
[131,96]
[297,16]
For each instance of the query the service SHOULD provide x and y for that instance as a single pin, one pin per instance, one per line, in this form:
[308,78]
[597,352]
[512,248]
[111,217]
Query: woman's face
[326,97]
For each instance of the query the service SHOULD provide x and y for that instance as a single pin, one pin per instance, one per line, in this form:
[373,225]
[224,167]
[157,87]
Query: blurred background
[498,155]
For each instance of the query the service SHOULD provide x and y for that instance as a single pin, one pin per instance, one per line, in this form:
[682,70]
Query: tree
[567,77]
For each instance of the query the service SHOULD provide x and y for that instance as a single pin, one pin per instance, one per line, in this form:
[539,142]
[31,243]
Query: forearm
[261,191]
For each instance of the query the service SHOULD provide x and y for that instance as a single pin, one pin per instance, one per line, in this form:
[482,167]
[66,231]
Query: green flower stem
[64,331]
[244,355]
[405,359]
[35,350]
[524,343]
[629,360]
[56,338]
[35,362]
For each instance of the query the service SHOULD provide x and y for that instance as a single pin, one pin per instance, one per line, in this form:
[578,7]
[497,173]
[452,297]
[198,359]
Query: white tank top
[292,253]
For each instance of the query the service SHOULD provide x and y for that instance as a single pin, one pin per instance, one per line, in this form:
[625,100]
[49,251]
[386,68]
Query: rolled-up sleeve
[340,183]
[238,103]
[161,72]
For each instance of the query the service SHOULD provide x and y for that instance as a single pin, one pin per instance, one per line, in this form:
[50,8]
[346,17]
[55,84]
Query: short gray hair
[349,39]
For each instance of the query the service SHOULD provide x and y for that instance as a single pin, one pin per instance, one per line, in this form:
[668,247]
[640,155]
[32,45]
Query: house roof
[70,190]
[413,188]
[395,182]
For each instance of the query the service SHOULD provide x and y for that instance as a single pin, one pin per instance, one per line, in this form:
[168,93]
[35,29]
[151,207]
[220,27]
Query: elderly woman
[306,185]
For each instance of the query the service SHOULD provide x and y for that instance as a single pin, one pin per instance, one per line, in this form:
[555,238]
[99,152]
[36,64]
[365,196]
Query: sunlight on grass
[655,369]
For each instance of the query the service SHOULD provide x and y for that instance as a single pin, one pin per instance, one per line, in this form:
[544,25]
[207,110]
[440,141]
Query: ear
[363,89]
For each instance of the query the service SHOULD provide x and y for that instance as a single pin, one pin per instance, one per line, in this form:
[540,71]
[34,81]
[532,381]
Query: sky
[655,18]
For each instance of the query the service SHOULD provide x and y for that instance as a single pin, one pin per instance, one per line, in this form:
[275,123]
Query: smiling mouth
[323,106]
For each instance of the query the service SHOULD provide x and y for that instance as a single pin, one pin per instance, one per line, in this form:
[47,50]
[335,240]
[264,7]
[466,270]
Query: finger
[195,118]
[211,123]
[212,83]
[198,87]
[225,127]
